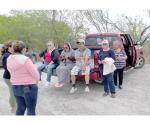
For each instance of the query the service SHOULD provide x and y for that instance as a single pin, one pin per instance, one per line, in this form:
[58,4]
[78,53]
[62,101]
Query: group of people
[22,76]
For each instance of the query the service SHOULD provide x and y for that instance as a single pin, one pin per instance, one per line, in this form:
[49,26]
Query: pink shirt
[22,70]
[47,57]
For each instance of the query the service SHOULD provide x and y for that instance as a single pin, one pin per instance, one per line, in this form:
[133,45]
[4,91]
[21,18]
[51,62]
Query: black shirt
[6,74]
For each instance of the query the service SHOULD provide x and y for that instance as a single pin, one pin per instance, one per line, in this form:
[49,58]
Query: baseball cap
[80,41]
[105,42]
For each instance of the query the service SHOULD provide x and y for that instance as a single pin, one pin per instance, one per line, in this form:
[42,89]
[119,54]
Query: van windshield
[97,40]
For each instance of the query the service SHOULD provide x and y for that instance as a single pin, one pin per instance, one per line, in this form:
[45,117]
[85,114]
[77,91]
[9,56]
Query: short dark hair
[19,46]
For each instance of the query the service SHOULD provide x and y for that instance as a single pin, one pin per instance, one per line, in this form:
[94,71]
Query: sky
[113,13]
[130,8]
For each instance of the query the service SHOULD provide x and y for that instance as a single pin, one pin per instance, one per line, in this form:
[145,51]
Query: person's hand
[69,57]
[66,57]
[42,60]
[51,62]
[101,62]
[62,58]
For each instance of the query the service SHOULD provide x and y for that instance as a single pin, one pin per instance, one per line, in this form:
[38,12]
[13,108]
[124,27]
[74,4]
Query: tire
[140,62]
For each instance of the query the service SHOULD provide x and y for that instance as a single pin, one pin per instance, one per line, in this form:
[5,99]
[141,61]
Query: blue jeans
[26,98]
[50,69]
[108,82]
[40,68]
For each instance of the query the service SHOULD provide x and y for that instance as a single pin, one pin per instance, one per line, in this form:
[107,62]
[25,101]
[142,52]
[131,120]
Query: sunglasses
[78,43]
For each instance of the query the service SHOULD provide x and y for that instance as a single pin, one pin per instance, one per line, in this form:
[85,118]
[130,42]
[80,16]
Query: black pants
[118,72]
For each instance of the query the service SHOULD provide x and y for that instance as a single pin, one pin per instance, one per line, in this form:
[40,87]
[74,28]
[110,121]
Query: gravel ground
[134,99]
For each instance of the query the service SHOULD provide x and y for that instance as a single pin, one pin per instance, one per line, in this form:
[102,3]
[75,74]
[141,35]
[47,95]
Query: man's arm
[40,56]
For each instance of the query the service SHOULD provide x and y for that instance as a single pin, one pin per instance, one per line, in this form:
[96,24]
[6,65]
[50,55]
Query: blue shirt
[84,53]
[104,54]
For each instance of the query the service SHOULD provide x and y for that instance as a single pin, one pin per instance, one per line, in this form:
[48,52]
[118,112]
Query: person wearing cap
[106,52]
[82,56]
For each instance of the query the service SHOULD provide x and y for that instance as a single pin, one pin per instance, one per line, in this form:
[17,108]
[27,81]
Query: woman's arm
[4,61]
[32,69]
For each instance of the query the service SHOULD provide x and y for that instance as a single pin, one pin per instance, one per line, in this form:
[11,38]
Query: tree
[33,27]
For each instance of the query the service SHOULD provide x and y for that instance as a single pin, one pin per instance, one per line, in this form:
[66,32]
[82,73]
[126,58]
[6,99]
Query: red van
[133,50]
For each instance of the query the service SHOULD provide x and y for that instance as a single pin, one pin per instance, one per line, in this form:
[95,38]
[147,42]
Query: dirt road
[134,99]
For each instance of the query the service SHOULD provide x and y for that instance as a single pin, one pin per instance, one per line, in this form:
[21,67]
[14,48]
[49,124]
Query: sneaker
[120,87]
[113,95]
[73,89]
[58,85]
[47,84]
[106,94]
[87,89]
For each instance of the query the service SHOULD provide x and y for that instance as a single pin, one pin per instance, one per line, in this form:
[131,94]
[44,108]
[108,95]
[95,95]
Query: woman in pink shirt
[24,79]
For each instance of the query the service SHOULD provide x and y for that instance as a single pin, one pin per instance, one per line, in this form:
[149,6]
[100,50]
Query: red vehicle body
[134,52]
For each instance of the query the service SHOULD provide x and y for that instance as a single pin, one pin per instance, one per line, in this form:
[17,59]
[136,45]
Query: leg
[12,100]
[120,76]
[101,72]
[87,75]
[31,99]
[62,74]
[73,79]
[105,83]
[111,84]
[21,105]
[50,69]
[115,77]
[87,79]
[70,66]
[40,68]
[74,72]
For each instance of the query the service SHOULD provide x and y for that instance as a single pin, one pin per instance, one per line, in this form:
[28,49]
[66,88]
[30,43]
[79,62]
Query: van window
[97,40]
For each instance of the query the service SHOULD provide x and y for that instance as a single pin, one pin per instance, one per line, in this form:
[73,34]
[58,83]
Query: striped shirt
[120,63]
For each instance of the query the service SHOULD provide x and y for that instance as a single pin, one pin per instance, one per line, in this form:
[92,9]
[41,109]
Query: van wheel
[140,62]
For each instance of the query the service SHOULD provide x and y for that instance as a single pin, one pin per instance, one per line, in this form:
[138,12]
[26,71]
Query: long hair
[68,44]
[6,47]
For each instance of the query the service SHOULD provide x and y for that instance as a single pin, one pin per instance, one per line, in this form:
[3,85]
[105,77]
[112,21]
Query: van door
[130,49]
